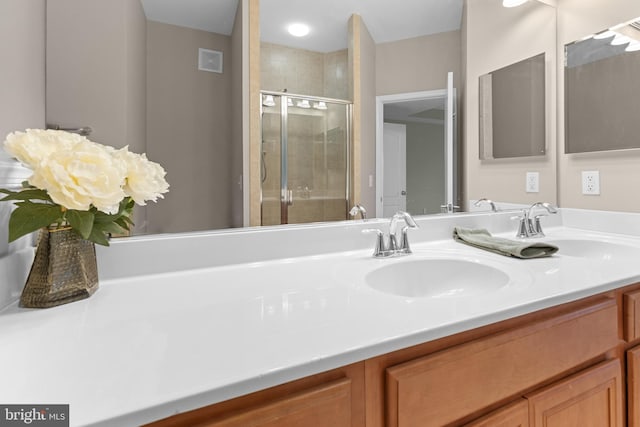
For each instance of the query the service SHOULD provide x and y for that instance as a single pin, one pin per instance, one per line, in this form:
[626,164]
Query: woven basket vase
[64,270]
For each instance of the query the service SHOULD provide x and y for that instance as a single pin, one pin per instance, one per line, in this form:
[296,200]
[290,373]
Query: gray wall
[96,69]
[95,73]
[188,127]
[22,75]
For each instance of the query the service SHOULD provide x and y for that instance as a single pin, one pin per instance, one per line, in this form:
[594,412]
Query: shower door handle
[287,197]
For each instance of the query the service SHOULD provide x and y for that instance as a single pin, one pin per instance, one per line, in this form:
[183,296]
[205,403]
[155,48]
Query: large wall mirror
[602,90]
[134,76]
[512,110]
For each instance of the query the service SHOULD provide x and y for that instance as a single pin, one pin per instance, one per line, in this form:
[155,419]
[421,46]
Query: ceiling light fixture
[303,103]
[268,101]
[513,3]
[634,46]
[619,40]
[298,29]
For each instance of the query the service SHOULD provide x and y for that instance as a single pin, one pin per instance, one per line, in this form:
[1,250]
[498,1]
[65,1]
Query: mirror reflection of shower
[304,158]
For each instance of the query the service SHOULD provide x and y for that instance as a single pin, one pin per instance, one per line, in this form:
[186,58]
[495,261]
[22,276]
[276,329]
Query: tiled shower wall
[304,72]
[316,171]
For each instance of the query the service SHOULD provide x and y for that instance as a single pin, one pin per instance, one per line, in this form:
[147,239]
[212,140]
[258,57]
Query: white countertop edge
[282,376]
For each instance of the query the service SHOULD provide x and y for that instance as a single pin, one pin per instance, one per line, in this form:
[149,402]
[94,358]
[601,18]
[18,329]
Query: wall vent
[210,60]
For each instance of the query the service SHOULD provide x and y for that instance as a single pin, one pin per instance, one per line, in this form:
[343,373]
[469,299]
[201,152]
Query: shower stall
[305,158]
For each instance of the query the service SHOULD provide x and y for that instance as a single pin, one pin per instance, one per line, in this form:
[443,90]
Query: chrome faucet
[529,225]
[488,201]
[358,209]
[392,246]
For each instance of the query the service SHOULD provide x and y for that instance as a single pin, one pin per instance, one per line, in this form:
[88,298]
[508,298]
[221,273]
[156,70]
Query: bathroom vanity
[183,333]
[559,367]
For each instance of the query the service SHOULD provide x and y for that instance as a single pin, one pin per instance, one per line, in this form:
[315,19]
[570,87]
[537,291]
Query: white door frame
[380,102]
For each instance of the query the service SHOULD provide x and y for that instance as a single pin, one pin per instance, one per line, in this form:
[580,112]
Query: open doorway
[415,153]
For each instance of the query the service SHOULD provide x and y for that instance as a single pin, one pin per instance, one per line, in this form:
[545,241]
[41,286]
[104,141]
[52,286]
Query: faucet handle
[537,228]
[523,225]
[404,240]
[380,247]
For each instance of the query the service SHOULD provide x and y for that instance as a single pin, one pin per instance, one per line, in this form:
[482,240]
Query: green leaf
[122,223]
[109,227]
[29,217]
[103,218]
[98,237]
[80,221]
[29,194]
[127,219]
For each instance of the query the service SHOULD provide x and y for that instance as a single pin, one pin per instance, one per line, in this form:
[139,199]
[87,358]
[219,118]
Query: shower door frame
[286,194]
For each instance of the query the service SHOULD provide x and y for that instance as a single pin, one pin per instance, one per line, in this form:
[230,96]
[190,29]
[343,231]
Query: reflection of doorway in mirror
[425,171]
[395,169]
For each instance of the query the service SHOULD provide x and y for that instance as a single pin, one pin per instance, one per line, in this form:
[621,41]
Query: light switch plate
[533,182]
[591,183]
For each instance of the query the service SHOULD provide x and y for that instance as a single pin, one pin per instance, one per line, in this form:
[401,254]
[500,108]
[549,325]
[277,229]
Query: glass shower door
[313,154]
[270,159]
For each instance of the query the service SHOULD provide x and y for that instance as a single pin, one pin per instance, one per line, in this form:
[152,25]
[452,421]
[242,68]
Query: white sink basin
[594,249]
[437,278]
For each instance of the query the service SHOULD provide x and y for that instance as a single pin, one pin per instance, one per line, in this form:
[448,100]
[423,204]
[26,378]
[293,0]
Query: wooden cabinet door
[591,398]
[329,399]
[633,386]
[513,415]
[328,405]
[447,386]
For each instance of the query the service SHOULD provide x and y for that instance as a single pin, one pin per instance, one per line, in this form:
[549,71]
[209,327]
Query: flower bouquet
[80,193]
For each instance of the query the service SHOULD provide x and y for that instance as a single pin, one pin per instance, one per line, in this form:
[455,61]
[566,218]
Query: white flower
[145,179]
[78,173]
[34,145]
[82,175]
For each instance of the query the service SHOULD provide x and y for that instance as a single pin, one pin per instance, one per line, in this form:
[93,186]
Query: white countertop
[146,347]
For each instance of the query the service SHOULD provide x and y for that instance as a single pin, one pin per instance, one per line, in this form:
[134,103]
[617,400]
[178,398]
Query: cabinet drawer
[631,308]
[441,388]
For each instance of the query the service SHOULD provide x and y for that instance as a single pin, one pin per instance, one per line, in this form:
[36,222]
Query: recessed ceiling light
[513,3]
[298,30]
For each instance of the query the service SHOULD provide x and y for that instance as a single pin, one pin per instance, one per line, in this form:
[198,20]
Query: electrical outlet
[591,183]
[533,182]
